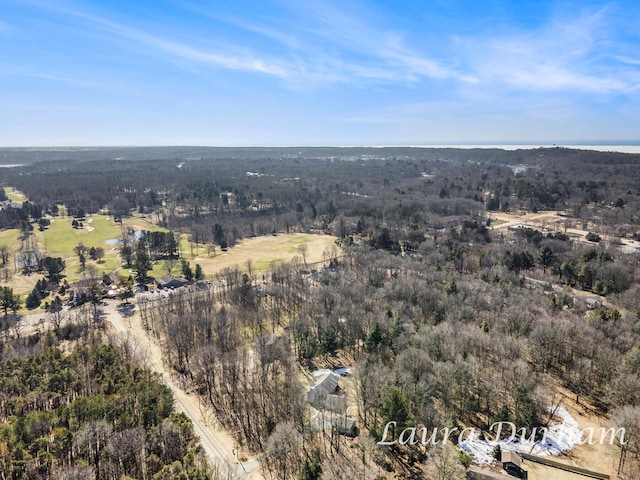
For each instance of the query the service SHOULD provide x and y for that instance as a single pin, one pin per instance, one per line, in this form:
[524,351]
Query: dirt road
[217,444]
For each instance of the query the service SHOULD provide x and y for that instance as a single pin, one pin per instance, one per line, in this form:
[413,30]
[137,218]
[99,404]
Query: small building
[512,464]
[86,284]
[476,473]
[169,281]
[9,204]
[29,261]
[593,302]
[343,424]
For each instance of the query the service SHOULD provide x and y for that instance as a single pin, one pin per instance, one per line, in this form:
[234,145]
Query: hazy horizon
[631,147]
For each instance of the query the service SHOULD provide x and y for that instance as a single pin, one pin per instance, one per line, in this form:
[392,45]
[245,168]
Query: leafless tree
[443,463]
[74,473]
[284,452]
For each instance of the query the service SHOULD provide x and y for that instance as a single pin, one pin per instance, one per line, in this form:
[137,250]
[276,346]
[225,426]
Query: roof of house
[86,283]
[476,473]
[325,395]
[328,383]
[511,457]
[342,422]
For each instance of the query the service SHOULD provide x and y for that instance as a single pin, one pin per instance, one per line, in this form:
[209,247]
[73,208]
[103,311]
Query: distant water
[598,148]
[116,241]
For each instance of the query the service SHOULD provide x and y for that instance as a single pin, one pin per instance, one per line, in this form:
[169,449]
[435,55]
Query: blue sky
[312,72]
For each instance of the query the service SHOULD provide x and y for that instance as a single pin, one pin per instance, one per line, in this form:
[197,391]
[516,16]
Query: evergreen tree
[142,265]
[395,409]
[199,274]
[187,273]
[33,300]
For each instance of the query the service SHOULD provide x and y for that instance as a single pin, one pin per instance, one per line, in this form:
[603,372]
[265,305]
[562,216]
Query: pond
[116,241]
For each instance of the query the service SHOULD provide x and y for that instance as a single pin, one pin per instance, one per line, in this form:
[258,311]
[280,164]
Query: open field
[601,458]
[262,252]
[268,250]
[60,239]
[10,238]
[14,195]
[21,284]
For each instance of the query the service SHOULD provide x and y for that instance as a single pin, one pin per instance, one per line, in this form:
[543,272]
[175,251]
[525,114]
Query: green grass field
[495,222]
[60,239]
[300,239]
[14,195]
[266,264]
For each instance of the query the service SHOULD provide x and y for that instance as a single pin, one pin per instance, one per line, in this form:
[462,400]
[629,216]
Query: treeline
[20,217]
[446,321]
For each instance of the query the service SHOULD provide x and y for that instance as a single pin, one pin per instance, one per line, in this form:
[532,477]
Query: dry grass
[262,252]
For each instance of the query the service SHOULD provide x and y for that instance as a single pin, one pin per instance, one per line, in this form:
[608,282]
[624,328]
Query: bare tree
[74,473]
[284,452]
[170,264]
[628,419]
[303,248]
[443,463]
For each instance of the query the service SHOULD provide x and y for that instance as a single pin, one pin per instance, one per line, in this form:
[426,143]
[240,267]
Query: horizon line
[622,146]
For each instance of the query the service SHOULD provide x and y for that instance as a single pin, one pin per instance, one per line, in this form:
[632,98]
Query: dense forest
[444,318]
[88,413]
[345,191]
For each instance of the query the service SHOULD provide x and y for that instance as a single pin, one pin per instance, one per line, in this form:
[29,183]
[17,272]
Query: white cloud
[378,51]
[627,60]
[565,55]
[316,45]
[320,44]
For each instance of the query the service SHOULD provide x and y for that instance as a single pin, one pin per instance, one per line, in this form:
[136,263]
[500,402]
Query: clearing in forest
[261,252]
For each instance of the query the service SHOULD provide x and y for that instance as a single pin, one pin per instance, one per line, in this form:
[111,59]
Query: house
[169,281]
[9,204]
[29,261]
[86,284]
[512,464]
[325,394]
